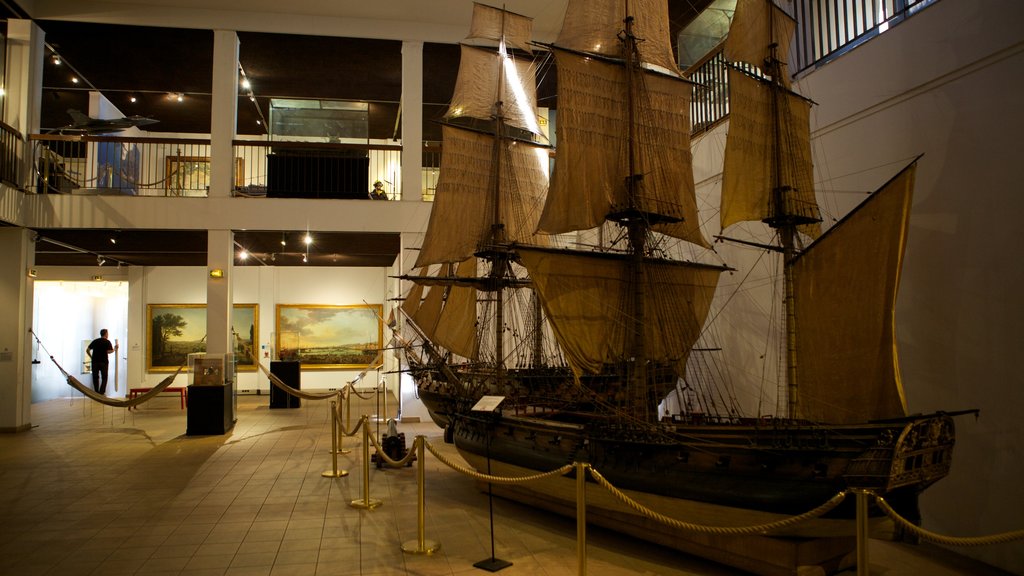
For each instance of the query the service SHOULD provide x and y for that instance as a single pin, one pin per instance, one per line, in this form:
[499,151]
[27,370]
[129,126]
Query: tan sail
[749,173]
[456,327]
[756,25]
[476,89]
[847,364]
[594,25]
[463,212]
[430,311]
[413,299]
[490,23]
[592,161]
[583,295]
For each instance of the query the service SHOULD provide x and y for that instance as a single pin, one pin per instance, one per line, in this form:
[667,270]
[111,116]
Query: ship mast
[637,229]
[784,216]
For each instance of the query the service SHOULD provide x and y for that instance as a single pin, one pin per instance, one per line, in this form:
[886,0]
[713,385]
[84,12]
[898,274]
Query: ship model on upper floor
[586,303]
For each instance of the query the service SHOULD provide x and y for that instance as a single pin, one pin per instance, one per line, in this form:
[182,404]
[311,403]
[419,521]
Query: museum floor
[96,490]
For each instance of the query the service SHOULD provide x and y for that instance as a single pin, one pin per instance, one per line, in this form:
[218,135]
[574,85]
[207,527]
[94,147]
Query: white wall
[66,314]
[267,287]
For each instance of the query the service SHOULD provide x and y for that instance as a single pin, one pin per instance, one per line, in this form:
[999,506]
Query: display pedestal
[289,372]
[211,409]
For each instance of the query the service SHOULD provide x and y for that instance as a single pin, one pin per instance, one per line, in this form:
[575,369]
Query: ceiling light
[304,258]
[74,80]
[308,239]
[243,255]
[100,260]
[132,99]
[245,83]
[181,97]
[56,60]
[113,240]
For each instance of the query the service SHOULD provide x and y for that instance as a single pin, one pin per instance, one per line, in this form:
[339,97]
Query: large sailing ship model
[587,302]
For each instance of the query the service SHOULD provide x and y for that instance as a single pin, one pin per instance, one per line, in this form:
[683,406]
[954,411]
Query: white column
[17,255]
[223,112]
[24,76]
[412,121]
[219,256]
[137,337]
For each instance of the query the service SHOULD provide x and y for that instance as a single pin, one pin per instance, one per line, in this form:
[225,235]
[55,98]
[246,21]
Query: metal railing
[710,102]
[181,167]
[827,28]
[11,146]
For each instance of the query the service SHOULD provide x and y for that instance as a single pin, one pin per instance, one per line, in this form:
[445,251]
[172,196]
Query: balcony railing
[181,167]
[11,150]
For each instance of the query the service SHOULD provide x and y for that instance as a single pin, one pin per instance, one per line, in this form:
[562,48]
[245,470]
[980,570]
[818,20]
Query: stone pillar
[412,121]
[219,301]
[17,255]
[223,113]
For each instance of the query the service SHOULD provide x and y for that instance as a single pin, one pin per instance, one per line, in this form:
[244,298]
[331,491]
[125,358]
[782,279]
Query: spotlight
[308,239]
[56,60]
[304,258]
[243,255]
[100,260]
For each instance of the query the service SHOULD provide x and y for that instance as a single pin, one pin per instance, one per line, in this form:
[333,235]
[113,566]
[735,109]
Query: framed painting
[330,337]
[245,322]
[177,330]
[190,175]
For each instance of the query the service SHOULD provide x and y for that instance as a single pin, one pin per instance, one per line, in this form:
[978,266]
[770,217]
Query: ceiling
[153,64]
[88,247]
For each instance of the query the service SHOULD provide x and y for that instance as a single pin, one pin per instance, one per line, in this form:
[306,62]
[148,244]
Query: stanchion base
[342,451]
[428,548]
[333,474]
[367,504]
[493,564]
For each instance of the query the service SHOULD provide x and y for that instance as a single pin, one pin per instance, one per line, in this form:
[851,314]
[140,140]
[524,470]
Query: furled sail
[481,72]
[490,23]
[594,26]
[593,156]
[463,214]
[584,295]
[847,364]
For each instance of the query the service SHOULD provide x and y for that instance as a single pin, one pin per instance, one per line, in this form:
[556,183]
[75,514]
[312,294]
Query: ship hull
[766,465]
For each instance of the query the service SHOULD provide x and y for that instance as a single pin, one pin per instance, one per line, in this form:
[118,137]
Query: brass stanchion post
[334,472]
[421,545]
[366,501]
[339,425]
[581,518]
[862,533]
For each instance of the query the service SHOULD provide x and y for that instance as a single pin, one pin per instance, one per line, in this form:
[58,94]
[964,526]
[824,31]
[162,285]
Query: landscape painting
[177,330]
[245,321]
[323,337]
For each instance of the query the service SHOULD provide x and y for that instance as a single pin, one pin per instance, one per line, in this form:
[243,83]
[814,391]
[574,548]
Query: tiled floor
[95,490]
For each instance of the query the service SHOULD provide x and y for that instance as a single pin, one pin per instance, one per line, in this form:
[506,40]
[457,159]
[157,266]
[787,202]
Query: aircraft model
[83,124]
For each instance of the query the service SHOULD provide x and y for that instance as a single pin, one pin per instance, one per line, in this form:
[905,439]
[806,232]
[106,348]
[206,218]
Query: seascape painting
[324,336]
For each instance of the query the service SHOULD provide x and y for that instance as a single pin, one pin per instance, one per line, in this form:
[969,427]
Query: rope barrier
[367,397]
[720,530]
[294,392]
[497,479]
[105,400]
[923,534]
